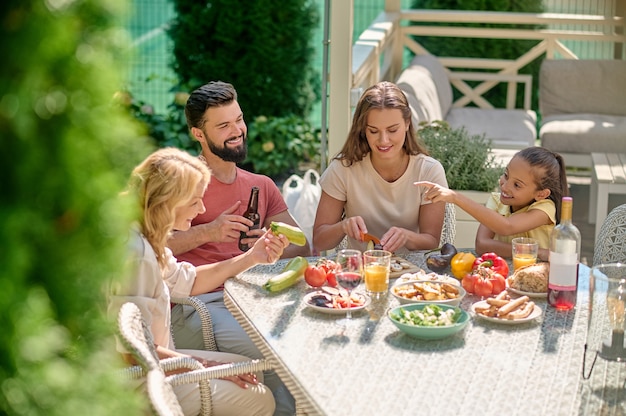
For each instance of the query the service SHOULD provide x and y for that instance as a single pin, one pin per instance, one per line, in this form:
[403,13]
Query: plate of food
[337,303]
[422,275]
[531,281]
[505,310]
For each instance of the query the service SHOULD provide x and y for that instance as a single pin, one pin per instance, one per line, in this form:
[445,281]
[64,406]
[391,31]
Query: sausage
[512,305]
[522,312]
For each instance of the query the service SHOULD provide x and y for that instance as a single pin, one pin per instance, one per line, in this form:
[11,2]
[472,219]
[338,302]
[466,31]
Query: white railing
[379,51]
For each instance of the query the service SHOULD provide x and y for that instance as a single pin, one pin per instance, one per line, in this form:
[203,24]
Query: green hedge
[262,47]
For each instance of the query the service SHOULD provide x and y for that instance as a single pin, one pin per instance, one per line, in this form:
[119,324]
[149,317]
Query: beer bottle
[252,213]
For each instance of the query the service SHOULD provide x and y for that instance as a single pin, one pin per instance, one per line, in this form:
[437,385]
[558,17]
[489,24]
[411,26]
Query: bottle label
[563,271]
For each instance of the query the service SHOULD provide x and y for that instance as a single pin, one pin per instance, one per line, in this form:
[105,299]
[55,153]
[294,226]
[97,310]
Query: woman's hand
[394,239]
[354,227]
[269,247]
[242,380]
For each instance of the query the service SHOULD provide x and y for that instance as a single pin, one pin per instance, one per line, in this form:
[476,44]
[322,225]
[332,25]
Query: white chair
[205,320]
[610,246]
[137,339]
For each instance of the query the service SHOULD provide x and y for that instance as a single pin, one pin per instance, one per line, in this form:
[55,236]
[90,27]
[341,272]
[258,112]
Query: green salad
[429,315]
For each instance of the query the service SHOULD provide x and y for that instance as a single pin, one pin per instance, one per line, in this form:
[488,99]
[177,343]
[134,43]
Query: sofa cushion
[584,133]
[507,129]
[582,86]
[421,93]
[439,75]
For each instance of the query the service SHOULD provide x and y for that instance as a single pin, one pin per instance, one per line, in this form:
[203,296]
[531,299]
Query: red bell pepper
[493,262]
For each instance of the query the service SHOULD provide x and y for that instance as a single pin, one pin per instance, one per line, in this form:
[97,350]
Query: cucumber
[293,234]
[291,273]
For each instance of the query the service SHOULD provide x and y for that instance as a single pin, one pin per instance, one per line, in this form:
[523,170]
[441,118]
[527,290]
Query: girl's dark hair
[213,94]
[550,175]
[379,96]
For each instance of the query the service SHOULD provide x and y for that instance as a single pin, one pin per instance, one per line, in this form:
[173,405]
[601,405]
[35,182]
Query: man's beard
[227,154]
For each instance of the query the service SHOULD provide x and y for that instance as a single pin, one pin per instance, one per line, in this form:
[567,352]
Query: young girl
[528,204]
[169,186]
[368,187]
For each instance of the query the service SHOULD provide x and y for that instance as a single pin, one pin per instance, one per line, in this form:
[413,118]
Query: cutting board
[407,267]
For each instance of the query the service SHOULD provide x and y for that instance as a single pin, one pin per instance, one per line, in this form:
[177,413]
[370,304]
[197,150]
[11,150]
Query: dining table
[369,367]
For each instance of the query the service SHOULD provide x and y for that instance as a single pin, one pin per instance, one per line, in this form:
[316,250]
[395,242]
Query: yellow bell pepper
[461,264]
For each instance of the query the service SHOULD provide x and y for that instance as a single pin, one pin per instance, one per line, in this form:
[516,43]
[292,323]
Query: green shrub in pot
[467,159]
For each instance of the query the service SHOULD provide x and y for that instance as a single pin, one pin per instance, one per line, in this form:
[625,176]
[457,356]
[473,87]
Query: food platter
[533,315]
[408,276]
[538,295]
[307,300]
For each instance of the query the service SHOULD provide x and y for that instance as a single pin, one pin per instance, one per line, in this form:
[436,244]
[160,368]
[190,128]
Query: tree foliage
[66,153]
[262,47]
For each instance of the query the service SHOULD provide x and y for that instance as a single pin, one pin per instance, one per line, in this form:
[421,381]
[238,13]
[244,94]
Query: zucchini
[290,274]
[293,234]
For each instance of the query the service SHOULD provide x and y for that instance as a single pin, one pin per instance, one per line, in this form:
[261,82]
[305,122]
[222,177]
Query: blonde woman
[169,186]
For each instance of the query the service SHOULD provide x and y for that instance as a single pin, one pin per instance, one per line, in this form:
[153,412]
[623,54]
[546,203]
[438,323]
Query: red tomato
[498,282]
[468,282]
[315,276]
[331,270]
[483,286]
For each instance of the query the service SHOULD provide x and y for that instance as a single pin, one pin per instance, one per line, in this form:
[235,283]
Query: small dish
[537,295]
[333,311]
[422,275]
[537,311]
[429,332]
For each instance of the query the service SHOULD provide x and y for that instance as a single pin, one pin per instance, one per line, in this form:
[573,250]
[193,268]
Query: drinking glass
[376,264]
[350,273]
[524,251]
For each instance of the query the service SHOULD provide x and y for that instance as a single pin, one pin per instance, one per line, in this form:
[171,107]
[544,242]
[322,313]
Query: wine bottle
[252,213]
[564,258]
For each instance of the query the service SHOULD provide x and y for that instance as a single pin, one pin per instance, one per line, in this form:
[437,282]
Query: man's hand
[228,225]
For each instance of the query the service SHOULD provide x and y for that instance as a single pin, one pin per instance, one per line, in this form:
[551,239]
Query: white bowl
[436,285]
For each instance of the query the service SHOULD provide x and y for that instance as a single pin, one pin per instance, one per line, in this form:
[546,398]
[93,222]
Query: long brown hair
[379,96]
[165,180]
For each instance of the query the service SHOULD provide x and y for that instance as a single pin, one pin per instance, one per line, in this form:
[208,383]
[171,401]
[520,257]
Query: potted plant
[471,168]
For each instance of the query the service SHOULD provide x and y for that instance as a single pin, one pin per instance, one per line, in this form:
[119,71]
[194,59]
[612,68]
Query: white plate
[534,314]
[421,276]
[308,304]
[542,295]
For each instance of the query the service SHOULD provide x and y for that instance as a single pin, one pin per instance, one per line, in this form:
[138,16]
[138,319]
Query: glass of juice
[524,251]
[376,268]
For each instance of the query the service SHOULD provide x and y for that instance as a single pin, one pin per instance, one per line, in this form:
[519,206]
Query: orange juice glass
[524,251]
[376,268]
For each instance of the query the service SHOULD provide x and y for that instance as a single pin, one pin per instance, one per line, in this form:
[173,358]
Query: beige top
[382,204]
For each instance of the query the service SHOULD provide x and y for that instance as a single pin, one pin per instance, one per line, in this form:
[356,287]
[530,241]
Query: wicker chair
[205,320]
[610,245]
[137,339]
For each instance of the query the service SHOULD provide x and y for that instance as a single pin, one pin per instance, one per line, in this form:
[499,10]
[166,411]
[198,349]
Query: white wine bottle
[564,259]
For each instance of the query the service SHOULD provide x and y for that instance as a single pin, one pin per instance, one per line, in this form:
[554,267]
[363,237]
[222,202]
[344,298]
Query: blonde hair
[165,180]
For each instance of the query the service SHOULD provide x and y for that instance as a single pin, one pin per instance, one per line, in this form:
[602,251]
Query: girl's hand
[436,192]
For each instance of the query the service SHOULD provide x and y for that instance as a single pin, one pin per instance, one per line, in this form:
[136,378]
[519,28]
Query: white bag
[302,197]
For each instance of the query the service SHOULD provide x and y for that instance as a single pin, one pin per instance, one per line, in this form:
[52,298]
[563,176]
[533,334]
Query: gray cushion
[582,86]
[584,133]
[507,129]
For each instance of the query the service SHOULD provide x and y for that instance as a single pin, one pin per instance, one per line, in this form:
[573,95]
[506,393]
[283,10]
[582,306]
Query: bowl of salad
[428,320]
